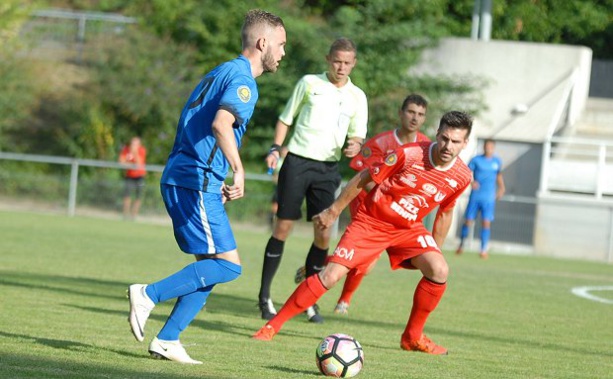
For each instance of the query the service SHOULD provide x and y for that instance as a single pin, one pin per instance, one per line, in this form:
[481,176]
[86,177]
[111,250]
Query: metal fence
[90,187]
[74,186]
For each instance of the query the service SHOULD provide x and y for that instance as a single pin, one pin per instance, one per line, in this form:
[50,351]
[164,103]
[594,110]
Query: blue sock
[185,310]
[464,233]
[485,238]
[204,273]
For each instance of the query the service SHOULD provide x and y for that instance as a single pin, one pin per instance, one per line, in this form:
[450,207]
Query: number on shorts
[426,240]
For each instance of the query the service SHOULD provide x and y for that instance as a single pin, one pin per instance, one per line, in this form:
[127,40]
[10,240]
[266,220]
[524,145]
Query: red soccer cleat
[266,333]
[424,344]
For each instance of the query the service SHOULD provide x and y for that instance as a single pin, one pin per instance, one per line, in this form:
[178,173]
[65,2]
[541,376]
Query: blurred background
[79,78]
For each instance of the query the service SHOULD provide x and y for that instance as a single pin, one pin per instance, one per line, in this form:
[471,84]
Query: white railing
[577,165]
[75,164]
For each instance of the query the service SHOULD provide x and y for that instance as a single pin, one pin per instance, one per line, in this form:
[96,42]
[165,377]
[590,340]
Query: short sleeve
[472,165]
[239,98]
[370,152]
[383,169]
[450,202]
[294,103]
[359,123]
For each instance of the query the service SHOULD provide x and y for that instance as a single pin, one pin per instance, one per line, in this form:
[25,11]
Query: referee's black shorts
[302,177]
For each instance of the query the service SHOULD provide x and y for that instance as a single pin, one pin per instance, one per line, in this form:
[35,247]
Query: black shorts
[134,185]
[302,177]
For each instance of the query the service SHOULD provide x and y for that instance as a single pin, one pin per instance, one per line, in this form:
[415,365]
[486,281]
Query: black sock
[315,260]
[272,259]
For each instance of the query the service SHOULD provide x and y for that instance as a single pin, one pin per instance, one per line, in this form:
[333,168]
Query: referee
[326,111]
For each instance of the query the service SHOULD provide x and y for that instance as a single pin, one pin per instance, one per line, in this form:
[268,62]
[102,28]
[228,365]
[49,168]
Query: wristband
[274,148]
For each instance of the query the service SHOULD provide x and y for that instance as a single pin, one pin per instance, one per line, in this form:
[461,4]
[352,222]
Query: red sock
[352,282]
[426,298]
[305,295]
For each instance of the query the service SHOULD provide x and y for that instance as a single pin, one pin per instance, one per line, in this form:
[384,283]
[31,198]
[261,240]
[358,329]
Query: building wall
[516,73]
[571,228]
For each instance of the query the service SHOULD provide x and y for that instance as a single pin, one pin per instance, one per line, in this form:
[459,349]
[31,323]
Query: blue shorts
[199,220]
[487,207]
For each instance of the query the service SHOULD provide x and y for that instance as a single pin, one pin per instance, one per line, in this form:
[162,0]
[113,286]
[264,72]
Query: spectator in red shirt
[135,155]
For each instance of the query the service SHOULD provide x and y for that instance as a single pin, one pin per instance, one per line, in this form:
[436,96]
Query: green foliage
[17,92]
[137,82]
[141,81]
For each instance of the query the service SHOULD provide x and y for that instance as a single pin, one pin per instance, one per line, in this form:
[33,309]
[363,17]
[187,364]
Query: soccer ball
[339,355]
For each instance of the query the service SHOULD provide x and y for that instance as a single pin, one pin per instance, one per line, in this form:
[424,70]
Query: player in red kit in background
[409,183]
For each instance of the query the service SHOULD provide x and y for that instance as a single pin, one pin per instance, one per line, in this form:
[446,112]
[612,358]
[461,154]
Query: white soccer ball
[339,355]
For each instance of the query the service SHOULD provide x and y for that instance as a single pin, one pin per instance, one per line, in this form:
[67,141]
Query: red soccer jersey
[378,147]
[374,150]
[128,157]
[409,186]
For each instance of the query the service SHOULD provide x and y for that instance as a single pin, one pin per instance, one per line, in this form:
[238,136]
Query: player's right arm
[326,218]
[224,134]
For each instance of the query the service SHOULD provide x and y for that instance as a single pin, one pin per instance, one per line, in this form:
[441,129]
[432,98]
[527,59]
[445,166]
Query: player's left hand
[353,148]
[324,219]
[236,190]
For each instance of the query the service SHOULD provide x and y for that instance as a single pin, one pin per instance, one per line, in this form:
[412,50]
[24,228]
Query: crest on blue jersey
[244,93]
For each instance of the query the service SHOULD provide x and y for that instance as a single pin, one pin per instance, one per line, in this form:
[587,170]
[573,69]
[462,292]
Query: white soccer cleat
[170,350]
[140,308]
[342,308]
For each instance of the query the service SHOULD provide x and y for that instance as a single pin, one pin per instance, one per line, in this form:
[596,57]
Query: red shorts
[355,203]
[365,238]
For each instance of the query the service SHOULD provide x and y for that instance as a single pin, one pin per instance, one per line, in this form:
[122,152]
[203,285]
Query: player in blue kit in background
[209,134]
[487,187]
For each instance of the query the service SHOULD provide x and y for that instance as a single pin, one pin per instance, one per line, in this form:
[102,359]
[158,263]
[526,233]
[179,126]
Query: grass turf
[63,311]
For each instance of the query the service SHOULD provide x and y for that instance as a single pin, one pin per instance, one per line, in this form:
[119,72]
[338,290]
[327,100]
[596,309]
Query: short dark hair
[343,44]
[488,140]
[414,99]
[458,120]
[258,18]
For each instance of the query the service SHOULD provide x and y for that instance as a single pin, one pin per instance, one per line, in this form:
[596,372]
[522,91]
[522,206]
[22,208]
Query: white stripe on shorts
[206,226]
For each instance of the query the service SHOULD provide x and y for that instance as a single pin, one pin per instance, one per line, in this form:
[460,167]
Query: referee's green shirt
[325,116]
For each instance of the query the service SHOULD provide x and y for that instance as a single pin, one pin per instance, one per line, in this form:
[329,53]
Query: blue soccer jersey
[196,162]
[485,172]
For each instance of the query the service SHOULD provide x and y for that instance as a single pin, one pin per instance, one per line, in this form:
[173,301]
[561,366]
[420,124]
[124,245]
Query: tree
[18,89]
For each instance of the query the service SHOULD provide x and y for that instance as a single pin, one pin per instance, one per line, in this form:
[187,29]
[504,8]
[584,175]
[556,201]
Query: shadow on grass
[20,366]
[226,304]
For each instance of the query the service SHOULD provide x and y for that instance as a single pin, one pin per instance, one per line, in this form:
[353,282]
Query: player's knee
[439,272]
[231,271]
[282,229]
[330,277]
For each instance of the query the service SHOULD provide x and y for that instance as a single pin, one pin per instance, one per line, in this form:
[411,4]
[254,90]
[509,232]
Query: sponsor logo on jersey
[391,159]
[495,166]
[409,206]
[344,253]
[359,163]
[366,152]
[439,197]
[409,180]
[416,166]
[429,189]
[244,93]
[452,182]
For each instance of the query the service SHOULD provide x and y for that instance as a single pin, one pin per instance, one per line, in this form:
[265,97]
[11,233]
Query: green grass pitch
[63,311]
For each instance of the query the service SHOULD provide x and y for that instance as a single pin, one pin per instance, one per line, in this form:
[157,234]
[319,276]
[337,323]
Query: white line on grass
[584,292]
